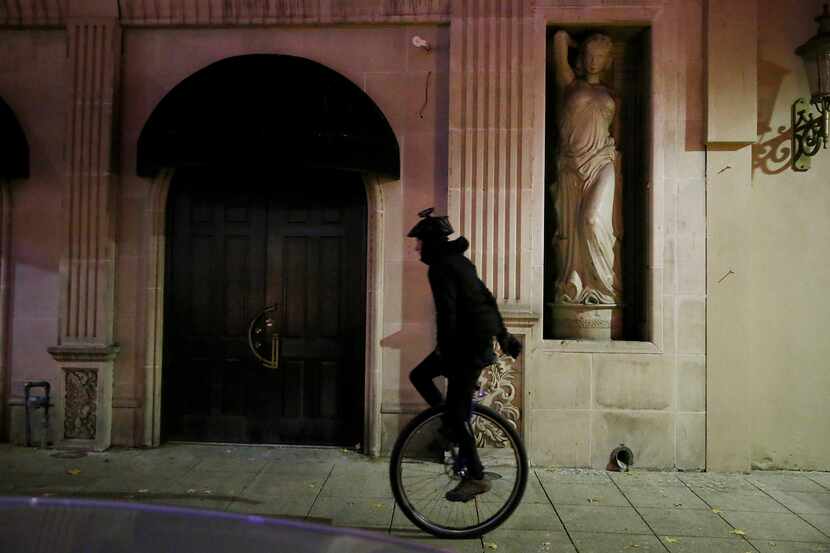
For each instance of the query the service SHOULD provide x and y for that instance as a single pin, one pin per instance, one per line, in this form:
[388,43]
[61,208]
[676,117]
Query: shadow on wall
[772,153]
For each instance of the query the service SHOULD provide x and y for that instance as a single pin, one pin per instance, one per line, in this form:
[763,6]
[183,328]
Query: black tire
[502,511]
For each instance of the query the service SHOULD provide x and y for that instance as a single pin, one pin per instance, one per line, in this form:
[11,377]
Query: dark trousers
[462,377]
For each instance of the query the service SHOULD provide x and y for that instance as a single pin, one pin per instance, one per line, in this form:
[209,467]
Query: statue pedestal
[576,321]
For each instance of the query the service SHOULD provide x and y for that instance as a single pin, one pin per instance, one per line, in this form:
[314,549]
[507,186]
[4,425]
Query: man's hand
[510,344]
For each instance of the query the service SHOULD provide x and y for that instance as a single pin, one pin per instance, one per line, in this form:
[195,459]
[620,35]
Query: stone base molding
[84,396]
[576,321]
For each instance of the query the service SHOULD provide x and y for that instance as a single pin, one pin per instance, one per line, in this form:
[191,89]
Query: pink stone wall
[408,84]
[33,83]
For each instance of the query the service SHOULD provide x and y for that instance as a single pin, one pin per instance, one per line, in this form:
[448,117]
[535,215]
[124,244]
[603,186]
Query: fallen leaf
[73,472]
[377,506]
[738,532]
[490,545]
[715,510]
[633,546]
[671,540]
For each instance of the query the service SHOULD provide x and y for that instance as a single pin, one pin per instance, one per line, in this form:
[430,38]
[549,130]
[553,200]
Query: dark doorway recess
[14,153]
[239,241]
[266,106]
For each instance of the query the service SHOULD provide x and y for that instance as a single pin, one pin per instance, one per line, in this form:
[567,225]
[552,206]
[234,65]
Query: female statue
[587,176]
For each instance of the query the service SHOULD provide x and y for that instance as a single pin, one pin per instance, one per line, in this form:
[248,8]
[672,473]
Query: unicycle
[425,466]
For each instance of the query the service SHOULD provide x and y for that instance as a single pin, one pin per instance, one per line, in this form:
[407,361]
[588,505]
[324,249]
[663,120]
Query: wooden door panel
[235,250]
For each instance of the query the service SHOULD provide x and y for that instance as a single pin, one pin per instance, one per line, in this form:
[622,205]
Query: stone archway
[162,168]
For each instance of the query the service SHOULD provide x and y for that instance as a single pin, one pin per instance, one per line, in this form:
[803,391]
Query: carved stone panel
[81,413]
[501,389]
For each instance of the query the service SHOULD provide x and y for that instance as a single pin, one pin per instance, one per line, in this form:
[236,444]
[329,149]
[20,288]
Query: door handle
[275,351]
[263,338]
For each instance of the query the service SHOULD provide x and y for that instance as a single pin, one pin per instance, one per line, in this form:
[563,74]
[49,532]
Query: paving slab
[667,497]
[686,522]
[527,541]
[687,544]
[716,481]
[616,543]
[785,481]
[501,490]
[740,499]
[766,546]
[287,506]
[280,484]
[534,516]
[245,463]
[572,476]
[774,526]
[803,502]
[820,478]
[354,512]
[821,522]
[450,546]
[363,483]
[210,482]
[607,494]
[602,519]
[644,477]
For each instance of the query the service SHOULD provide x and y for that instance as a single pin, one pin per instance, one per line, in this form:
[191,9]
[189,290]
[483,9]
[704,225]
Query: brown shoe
[468,489]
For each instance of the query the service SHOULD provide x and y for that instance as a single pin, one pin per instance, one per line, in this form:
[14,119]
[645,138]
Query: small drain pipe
[621,458]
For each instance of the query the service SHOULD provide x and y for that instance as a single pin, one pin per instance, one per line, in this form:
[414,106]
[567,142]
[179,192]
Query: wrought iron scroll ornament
[264,338]
[810,131]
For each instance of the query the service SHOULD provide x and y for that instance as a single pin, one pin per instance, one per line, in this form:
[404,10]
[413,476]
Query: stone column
[85,351]
[491,126]
[491,134]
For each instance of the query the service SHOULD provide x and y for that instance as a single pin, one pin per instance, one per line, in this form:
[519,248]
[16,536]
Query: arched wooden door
[238,242]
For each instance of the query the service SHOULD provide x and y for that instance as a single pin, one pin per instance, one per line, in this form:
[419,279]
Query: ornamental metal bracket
[810,131]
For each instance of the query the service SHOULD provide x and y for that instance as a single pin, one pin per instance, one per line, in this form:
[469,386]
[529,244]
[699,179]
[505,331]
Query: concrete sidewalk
[564,510]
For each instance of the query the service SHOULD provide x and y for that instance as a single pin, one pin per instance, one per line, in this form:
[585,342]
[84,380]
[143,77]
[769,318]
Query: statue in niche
[587,184]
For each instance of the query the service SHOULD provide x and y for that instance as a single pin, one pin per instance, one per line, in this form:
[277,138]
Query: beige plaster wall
[33,80]
[585,398]
[378,58]
[768,274]
[786,297]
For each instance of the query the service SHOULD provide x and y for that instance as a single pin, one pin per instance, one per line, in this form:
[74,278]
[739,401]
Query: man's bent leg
[422,378]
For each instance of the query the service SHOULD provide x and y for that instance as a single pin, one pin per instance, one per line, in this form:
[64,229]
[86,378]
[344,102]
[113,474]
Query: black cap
[431,228]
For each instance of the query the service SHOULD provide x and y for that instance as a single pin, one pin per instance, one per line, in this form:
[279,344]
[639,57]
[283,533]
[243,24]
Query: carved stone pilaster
[85,349]
[84,396]
[502,384]
[491,133]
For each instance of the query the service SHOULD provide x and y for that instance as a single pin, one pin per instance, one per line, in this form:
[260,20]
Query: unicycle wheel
[423,468]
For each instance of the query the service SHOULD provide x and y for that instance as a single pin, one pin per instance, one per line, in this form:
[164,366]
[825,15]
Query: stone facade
[86,234]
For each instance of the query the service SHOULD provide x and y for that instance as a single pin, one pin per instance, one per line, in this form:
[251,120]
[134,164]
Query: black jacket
[467,316]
